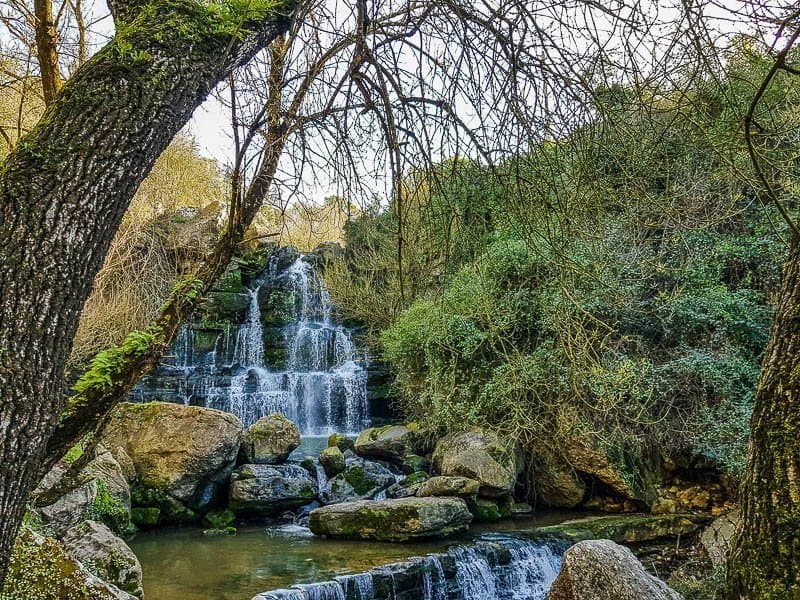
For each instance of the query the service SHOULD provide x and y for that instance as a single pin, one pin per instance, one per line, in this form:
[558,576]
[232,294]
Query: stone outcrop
[444,485]
[397,520]
[108,556]
[270,489]
[390,443]
[269,441]
[716,539]
[601,569]
[481,455]
[183,453]
[361,479]
[42,569]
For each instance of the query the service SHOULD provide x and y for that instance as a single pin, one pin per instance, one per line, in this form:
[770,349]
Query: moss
[358,480]
[220,531]
[485,511]
[73,453]
[150,494]
[145,516]
[109,510]
[41,570]
[416,477]
[219,519]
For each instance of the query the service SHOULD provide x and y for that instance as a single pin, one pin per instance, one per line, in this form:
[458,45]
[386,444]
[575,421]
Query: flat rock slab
[396,520]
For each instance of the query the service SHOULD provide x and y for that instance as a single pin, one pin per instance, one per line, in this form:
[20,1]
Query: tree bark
[766,554]
[47,49]
[65,188]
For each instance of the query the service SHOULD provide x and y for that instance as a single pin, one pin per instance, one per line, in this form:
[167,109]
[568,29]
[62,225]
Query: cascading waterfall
[495,568]
[323,387]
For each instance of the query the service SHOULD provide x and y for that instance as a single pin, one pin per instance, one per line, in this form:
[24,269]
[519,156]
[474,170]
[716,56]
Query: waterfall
[497,567]
[323,386]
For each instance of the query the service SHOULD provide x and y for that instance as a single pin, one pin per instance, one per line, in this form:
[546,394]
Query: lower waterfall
[494,568]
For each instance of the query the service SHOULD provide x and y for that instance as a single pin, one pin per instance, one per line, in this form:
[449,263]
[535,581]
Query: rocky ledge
[396,520]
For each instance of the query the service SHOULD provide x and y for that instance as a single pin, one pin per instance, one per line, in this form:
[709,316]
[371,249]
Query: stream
[184,564]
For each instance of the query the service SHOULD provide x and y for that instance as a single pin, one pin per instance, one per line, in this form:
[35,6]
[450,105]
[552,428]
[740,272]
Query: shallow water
[183,564]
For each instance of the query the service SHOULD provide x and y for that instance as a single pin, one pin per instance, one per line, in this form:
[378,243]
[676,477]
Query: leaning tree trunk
[765,560]
[66,186]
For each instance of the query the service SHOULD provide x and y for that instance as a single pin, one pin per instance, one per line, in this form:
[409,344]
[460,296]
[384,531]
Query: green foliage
[618,282]
[109,510]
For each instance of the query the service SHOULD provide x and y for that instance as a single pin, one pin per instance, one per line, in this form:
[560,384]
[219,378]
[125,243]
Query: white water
[527,576]
[323,388]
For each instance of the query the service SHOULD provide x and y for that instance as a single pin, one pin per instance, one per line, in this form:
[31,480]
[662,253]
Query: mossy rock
[332,460]
[145,517]
[269,441]
[390,443]
[219,519]
[484,510]
[340,441]
[41,569]
[630,528]
[397,520]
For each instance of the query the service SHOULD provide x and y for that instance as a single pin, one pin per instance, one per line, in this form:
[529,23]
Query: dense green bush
[620,282]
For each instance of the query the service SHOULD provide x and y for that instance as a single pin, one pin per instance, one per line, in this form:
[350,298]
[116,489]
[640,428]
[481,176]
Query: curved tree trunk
[766,555]
[65,188]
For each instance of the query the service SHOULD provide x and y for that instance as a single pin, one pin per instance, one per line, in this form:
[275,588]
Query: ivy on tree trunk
[66,186]
[766,554]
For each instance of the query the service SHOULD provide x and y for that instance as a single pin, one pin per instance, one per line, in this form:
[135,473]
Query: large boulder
[269,441]
[42,568]
[270,489]
[557,485]
[90,498]
[391,443]
[107,468]
[444,485]
[601,569]
[481,455]
[361,479]
[184,452]
[106,555]
[397,520]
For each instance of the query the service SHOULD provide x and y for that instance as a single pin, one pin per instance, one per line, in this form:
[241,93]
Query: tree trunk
[47,49]
[766,554]
[65,188]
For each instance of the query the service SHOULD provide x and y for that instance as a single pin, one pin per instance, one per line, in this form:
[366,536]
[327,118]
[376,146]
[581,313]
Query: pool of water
[184,564]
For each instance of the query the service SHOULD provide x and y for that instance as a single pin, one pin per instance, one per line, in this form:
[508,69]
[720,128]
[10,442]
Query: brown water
[183,564]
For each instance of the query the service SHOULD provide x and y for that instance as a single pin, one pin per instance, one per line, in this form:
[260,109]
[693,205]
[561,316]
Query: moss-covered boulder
[444,485]
[145,517]
[391,443]
[185,452]
[88,500]
[481,455]
[332,460]
[601,569]
[269,441]
[398,520]
[270,489]
[41,569]
[557,485]
[409,486]
[361,479]
[105,555]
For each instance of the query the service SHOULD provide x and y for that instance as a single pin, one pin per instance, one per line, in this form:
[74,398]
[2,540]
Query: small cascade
[323,386]
[494,568]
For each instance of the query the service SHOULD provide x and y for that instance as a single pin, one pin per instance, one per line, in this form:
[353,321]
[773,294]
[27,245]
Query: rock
[361,479]
[716,539]
[106,468]
[340,441]
[407,487]
[444,485]
[332,460]
[484,510]
[219,519]
[270,489]
[285,256]
[521,508]
[414,462]
[41,568]
[107,556]
[398,520]
[324,254]
[480,455]
[558,486]
[629,529]
[185,452]
[269,441]
[601,569]
[391,443]
[89,500]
